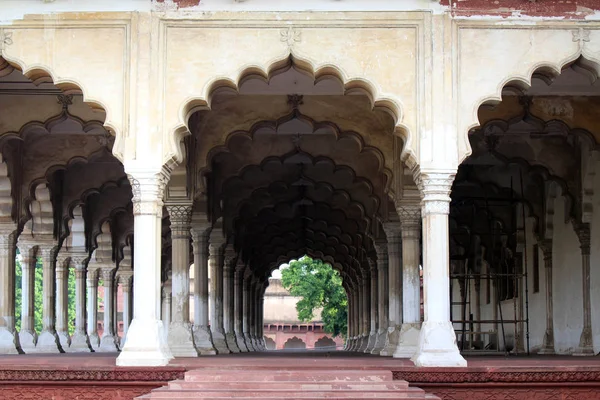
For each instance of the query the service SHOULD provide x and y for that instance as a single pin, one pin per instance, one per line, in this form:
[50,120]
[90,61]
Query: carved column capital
[435,187]
[148,187]
[180,216]
[107,275]
[381,248]
[125,279]
[7,241]
[546,247]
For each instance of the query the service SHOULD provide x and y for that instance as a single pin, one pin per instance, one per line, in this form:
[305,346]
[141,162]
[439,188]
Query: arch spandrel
[193,74]
[74,63]
[490,59]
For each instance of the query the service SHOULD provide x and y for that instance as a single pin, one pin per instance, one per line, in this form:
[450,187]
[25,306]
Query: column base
[48,343]
[364,340]
[108,344]
[586,347]
[354,343]
[372,341]
[391,341]
[219,342]
[94,341]
[9,341]
[437,346]
[64,340]
[146,345]
[408,340]
[380,342]
[80,343]
[239,338]
[28,339]
[248,341]
[181,340]
[203,341]
[548,344]
[231,343]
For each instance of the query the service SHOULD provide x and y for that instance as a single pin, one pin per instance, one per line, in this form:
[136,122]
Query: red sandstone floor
[284,360]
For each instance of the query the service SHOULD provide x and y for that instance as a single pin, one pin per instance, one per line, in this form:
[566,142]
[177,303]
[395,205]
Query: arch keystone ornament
[146,343]
[436,346]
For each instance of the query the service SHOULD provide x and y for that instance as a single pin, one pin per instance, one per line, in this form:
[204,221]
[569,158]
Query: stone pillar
[238,307]
[201,330]
[410,220]
[365,308]
[261,322]
[228,298]
[62,301]
[382,295]
[373,312]
[92,308]
[437,341]
[108,343]
[350,323]
[246,288]
[394,243]
[180,338]
[357,319]
[125,280]
[9,338]
[586,343]
[28,335]
[166,305]
[146,343]
[215,262]
[48,340]
[80,342]
[548,344]
[257,321]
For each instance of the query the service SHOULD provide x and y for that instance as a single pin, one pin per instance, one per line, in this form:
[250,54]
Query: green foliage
[319,286]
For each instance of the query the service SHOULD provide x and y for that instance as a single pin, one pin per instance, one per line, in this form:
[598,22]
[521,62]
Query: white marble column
[586,342]
[410,219]
[394,246]
[201,329]
[146,343]
[108,343]
[166,305]
[92,307]
[246,288]
[365,295]
[80,342]
[238,312]
[257,319]
[437,341]
[382,295]
[350,319]
[373,312]
[48,339]
[215,262]
[180,337]
[230,260]
[125,280]
[28,335]
[356,317]
[9,338]
[548,344]
[62,300]
[261,322]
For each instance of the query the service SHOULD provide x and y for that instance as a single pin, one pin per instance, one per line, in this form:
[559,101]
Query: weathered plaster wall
[595,265]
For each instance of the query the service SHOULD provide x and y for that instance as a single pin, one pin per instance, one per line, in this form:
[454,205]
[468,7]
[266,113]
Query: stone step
[207,375]
[166,393]
[293,385]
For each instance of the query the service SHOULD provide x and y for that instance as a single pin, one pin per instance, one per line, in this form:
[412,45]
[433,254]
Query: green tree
[319,286]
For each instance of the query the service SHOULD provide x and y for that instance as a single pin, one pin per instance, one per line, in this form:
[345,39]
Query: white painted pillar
[166,305]
[28,335]
[180,337]
[228,299]
[201,329]
[373,312]
[350,328]
[394,243]
[256,312]
[9,338]
[215,262]
[62,301]
[48,340]
[238,312]
[437,341]
[146,343]
[252,313]
[80,342]
[246,287]
[410,219]
[92,308]
[125,279]
[108,342]
[383,300]
[356,316]
[548,344]
[586,341]
[261,322]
